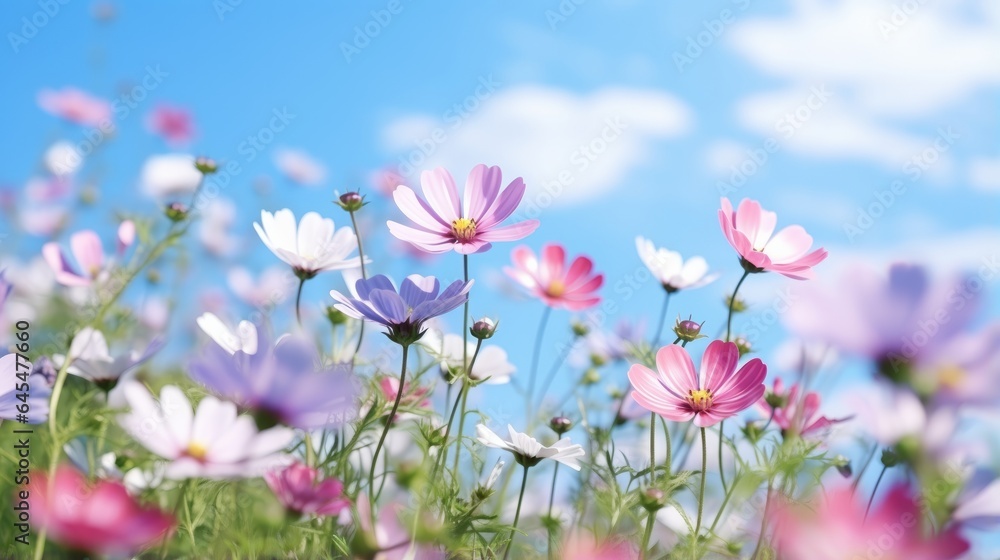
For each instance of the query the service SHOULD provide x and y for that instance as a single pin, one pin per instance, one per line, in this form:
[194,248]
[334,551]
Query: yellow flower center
[464,229]
[700,399]
[951,377]
[197,451]
[556,288]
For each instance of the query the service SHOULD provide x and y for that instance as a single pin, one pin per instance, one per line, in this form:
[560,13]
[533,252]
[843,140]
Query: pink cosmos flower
[574,288]
[75,106]
[582,546]
[89,254]
[468,225]
[174,124]
[414,396]
[102,520]
[749,230]
[303,492]
[677,393]
[837,530]
[386,180]
[800,412]
[299,167]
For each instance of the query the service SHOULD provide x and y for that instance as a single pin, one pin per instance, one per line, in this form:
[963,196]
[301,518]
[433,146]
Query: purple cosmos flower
[38,391]
[404,312]
[444,222]
[281,383]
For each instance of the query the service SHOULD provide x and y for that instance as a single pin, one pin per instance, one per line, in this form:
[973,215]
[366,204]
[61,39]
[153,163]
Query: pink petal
[718,365]
[788,244]
[524,258]
[481,189]
[755,222]
[126,235]
[441,194]
[471,247]
[506,204]
[64,273]
[579,270]
[512,232]
[553,260]
[578,305]
[676,370]
[418,211]
[586,289]
[87,251]
[419,236]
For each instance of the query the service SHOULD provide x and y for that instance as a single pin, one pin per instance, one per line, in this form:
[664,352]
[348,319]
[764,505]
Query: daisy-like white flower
[241,339]
[90,358]
[528,451]
[447,222]
[212,442]
[312,246]
[170,175]
[670,269]
[750,230]
[403,312]
[676,392]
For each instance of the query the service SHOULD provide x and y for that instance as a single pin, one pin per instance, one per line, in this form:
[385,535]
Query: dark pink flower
[444,222]
[574,288]
[749,230]
[303,492]
[836,529]
[75,106]
[174,124]
[795,410]
[102,519]
[677,393]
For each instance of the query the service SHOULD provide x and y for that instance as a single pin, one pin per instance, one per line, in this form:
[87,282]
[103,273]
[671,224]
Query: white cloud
[722,156]
[984,174]
[892,62]
[588,142]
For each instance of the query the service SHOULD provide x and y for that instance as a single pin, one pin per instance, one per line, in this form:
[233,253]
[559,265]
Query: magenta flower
[174,124]
[89,254]
[75,106]
[795,412]
[677,393]
[301,490]
[574,288]
[102,520]
[837,530]
[445,223]
[749,230]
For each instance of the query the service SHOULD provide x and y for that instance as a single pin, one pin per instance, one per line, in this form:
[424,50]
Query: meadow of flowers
[346,431]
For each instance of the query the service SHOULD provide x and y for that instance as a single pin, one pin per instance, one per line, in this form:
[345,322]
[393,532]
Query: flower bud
[153,276]
[843,466]
[774,400]
[597,360]
[207,166]
[688,330]
[483,328]
[889,458]
[351,201]
[743,345]
[739,305]
[560,425]
[652,499]
[176,211]
[591,377]
[335,316]
[579,328]
[753,431]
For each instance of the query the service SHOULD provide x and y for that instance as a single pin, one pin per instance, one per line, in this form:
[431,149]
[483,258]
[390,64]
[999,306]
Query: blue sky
[843,99]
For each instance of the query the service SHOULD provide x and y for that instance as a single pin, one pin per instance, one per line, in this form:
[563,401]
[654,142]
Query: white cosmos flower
[90,358]
[170,175]
[299,167]
[673,272]
[528,451]
[311,246]
[242,338]
[491,363]
[271,287]
[212,442]
[62,159]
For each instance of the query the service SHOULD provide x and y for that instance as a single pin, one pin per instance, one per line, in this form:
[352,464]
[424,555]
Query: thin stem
[652,447]
[534,361]
[298,301]
[722,467]
[552,499]
[555,369]
[763,522]
[364,275]
[310,457]
[732,302]
[650,518]
[701,490]
[875,490]
[465,317]
[465,395]
[388,422]
[666,435]
[663,319]
[517,514]
[864,468]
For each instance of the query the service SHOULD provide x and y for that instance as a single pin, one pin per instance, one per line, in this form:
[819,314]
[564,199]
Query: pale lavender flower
[38,389]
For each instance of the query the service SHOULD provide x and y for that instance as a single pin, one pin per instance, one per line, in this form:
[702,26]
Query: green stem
[763,522]
[701,489]
[298,301]
[650,518]
[552,499]
[663,320]
[536,354]
[465,316]
[388,422]
[722,468]
[364,275]
[666,435]
[464,394]
[875,491]
[517,514]
[652,447]
[732,302]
